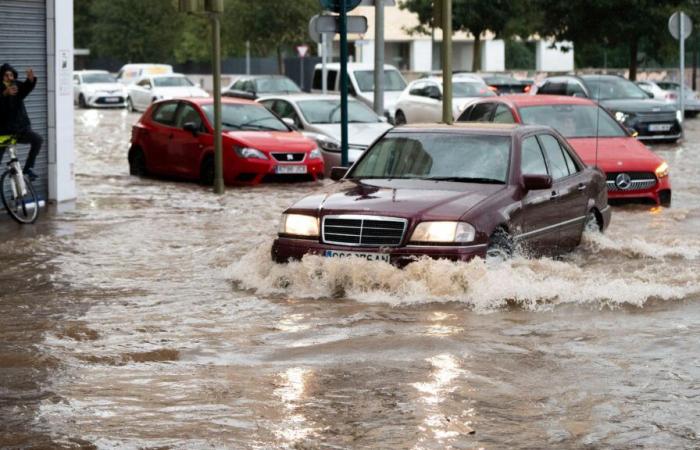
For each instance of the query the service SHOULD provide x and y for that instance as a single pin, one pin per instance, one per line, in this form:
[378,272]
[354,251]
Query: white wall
[59,47]
[421,55]
[493,56]
[554,59]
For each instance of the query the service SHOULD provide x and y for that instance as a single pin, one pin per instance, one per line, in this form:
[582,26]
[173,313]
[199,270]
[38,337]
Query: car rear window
[172,82]
[573,121]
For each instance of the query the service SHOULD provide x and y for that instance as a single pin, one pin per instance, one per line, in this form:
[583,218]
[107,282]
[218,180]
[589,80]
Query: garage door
[23,44]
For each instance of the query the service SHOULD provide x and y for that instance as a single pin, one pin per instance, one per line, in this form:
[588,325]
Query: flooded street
[149,315]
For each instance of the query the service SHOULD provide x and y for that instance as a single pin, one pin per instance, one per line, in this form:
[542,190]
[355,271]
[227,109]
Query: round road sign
[674,25]
[334,5]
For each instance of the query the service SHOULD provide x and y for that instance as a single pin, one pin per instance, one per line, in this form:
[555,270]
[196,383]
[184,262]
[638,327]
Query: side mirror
[536,182]
[191,127]
[649,94]
[337,173]
[436,95]
[290,123]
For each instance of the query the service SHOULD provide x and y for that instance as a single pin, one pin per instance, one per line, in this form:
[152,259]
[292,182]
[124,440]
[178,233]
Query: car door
[141,96]
[184,146]
[160,133]
[539,230]
[432,106]
[571,187]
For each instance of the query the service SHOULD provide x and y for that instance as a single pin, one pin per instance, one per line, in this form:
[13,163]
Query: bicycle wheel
[22,208]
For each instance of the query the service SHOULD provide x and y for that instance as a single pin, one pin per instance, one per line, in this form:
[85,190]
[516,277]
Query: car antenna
[597,119]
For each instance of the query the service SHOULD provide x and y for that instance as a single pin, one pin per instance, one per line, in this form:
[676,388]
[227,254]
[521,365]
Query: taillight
[671,96]
[493,88]
[527,89]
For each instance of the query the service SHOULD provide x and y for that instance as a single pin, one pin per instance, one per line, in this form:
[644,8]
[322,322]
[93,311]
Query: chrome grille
[367,231]
[638,181]
[288,157]
[657,117]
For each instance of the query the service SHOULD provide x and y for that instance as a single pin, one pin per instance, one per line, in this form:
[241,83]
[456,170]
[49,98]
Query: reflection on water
[151,316]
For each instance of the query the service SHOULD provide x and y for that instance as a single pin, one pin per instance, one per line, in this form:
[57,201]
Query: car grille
[289,157]
[103,101]
[657,117]
[368,231]
[637,181]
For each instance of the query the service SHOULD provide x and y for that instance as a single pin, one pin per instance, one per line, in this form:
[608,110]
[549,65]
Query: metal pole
[324,62]
[343,84]
[447,62]
[379,57]
[218,156]
[681,78]
[247,57]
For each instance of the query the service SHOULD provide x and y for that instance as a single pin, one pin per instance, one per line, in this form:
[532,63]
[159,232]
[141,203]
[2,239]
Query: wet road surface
[150,316]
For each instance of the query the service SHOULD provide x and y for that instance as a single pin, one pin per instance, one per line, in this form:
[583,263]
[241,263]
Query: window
[328,111]
[464,117]
[575,89]
[172,82]
[433,91]
[145,83]
[165,113]
[482,112]
[244,116]
[532,160]
[186,114]
[573,168]
[317,82]
[286,110]
[557,163]
[573,120]
[553,88]
[76,79]
[332,75]
[238,85]
[503,115]
[417,89]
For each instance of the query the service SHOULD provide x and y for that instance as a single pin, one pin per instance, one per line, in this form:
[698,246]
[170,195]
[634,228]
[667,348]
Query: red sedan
[175,138]
[632,170]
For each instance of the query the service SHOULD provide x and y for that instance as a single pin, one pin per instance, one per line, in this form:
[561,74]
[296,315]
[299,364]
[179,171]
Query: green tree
[82,23]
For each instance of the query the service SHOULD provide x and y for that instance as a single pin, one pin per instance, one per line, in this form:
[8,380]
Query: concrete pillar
[554,59]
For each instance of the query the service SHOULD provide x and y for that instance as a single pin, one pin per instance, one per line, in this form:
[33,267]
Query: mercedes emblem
[623,181]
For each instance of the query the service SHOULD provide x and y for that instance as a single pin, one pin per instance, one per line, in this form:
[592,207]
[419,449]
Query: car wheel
[501,245]
[130,105]
[592,223]
[81,101]
[400,118]
[665,198]
[137,163]
[206,171]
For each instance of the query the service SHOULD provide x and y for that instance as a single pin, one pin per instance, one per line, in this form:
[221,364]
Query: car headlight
[251,153]
[315,154]
[662,170]
[449,232]
[328,144]
[621,116]
[299,225]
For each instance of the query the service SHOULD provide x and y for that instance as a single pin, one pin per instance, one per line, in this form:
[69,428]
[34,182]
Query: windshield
[172,82]
[235,117]
[328,111]
[393,81]
[437,156]
[462,89]
[573,120]
[500,79]
[90,78]
[614,89]
[275,85]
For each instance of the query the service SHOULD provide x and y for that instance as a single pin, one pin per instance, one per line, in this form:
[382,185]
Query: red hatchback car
[175,138]
[632,170]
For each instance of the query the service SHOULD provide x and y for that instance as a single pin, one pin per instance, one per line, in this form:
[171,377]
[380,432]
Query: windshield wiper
[466,180]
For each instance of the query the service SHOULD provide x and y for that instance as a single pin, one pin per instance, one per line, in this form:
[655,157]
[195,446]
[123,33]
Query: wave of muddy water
[150,316]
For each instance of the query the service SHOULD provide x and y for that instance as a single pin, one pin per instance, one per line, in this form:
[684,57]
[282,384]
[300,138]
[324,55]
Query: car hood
[361,134]
[401,198]
[616,154]
[637,106]
[390,98]
[103,87]
[180,91]
[280,141]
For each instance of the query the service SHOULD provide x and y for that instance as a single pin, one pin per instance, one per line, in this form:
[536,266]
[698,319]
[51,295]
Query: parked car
[255,86]
[668,91]
[361,84]
[229,81]
[632,170]
[318,116]
[653,120]
[151,88]
[454,192]
[131,73]
[421,101]
[175,138]
[97,89]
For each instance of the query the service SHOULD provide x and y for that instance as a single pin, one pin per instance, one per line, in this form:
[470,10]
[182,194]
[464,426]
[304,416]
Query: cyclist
[13,114]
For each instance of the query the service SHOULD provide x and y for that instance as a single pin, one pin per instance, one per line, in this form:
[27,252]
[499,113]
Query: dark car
[452,192]
[252,87]
[630,105]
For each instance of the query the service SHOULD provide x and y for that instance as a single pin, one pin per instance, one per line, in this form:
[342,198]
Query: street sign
[334,5]
[374,3]
[302,50]
[674,25]
[331,24]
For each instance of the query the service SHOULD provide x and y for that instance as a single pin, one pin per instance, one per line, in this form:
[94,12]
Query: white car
[318,117]
[421,101]
[668,91]
[98,89]
[130,73]
[158,87]
[361,83]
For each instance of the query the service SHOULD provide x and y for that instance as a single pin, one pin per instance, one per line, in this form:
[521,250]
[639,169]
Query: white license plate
[291,169]
[112,99]
[368,256]
[660,127]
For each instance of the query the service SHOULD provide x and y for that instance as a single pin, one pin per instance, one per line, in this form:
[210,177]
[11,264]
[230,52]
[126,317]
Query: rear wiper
[466,180]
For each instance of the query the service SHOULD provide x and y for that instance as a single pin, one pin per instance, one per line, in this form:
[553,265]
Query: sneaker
[30,174]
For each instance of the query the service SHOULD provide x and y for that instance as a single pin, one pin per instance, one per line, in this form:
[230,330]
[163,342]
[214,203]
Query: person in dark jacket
[13,114]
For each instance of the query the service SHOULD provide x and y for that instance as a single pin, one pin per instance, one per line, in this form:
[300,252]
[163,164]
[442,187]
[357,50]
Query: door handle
[581,187]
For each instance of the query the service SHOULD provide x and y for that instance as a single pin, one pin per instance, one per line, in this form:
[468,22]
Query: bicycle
[16,190]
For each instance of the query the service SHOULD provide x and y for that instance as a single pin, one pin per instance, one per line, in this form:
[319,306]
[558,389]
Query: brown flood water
[150,316]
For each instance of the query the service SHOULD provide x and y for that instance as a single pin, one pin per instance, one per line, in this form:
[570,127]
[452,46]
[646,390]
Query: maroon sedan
[451,192]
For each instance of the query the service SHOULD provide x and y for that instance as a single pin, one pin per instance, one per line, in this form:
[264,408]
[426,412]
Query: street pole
[681,78]
[379,57]
[218,156]
[343,84]
[247,57]
[447,62]
[324,62]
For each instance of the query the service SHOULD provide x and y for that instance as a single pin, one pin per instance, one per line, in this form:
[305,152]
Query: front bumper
[650,191]
[646,131]
[285,249]
[106,101]
[254,171]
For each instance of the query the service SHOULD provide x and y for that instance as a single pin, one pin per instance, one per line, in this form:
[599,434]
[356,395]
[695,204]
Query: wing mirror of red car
[536,182]
[337,173]
[191,127]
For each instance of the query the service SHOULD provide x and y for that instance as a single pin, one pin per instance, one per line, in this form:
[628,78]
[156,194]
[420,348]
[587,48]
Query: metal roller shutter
[23,44]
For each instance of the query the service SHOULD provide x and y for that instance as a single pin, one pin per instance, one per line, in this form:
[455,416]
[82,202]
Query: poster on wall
[65,73]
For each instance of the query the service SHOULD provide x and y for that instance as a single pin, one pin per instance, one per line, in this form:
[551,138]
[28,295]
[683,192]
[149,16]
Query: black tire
[206,171]
[399,119]
[665,198]
[592,223]
[691,114]
[24,209]
[81,101]
[501,245]
[137,163]
[130,105]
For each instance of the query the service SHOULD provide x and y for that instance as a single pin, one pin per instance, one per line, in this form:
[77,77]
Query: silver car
[318,117]
[668,92]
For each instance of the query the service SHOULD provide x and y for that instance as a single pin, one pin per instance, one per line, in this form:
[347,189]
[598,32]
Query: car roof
[455,79]
[354,66]
[535,100]
[489,128]
[142,65]
[90,71]
[208,100]
[302,96]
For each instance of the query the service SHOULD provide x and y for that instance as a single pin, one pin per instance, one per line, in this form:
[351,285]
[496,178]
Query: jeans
[34,141]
